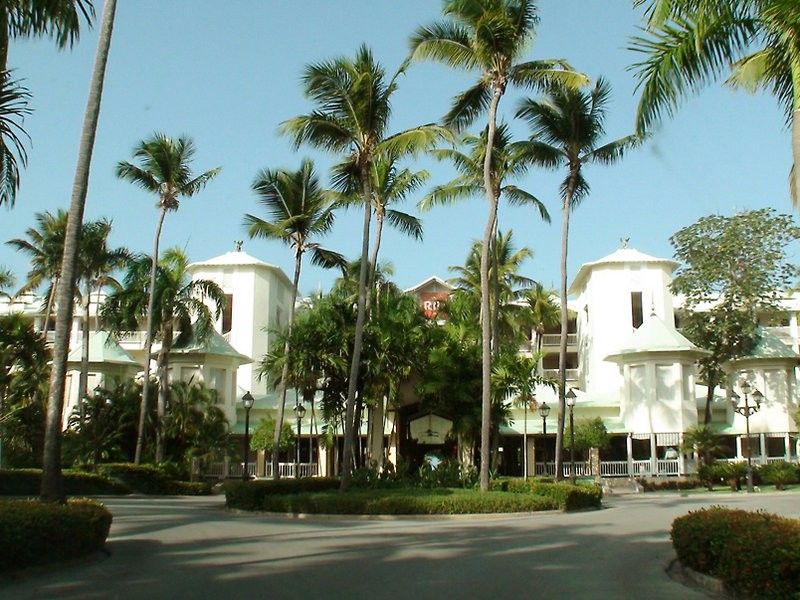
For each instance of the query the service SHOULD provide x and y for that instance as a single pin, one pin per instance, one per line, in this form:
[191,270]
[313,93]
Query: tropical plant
[544,311]
[180,313]
[263,437]
[7,281]
[488,37]
[164,170]
[298,210]
[703,440]
[690,43]
[51,464]
[45,247]
[567,127]
[589,433]
[14,99]
[352,113]
[195,426]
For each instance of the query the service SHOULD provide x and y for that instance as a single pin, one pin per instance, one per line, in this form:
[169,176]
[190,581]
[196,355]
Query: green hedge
[27,482]
[389,502]
[33,533]
[566,495]
[661,484]
[756,554]
[148,479]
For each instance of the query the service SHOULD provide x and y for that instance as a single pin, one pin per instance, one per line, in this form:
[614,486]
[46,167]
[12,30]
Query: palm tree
[13,110]
[692,42]
[7,281]
[487,37]
[567,126]
[97,263]
[544,311]
[352,117]
[164,170]
[51,464]
[178,305]
[298,210]
[45,246]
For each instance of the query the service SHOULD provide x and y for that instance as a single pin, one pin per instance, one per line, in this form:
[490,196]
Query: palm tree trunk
[163,390]
[52,490]
[711,386]
[352,384]
[486,322]
[562,348]
[49,310]
[795,184]
[83,380]
[3,39]
[375,415]
[373,260]
[276,440]
[148,339]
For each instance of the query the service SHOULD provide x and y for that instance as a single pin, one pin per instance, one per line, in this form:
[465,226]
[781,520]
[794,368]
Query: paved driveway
[193,548]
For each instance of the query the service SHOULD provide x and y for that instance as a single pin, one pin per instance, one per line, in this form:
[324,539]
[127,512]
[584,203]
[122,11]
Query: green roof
[214,345]
[770,346]
[656,336]
[103,349]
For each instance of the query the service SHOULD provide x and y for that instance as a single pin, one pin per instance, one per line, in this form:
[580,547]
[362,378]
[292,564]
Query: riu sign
[431,302]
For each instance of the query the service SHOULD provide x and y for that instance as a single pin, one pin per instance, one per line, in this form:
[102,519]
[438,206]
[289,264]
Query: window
[637,316]
[227,314]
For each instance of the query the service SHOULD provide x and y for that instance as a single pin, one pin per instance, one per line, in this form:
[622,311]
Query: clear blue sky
[227,73]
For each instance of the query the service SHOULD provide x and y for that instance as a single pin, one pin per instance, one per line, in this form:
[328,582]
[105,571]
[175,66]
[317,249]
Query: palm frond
[406,224]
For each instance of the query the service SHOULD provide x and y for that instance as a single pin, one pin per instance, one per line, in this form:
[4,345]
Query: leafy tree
[353,106]
[263,437]
[567,127]
[95,431]
[589,433]
[732,268]
[690,43]
[178,304]
[487,37]
[164,169]
[195,426]
[51,490]
[299,210]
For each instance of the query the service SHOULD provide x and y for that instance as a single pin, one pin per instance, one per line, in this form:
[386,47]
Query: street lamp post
[747,411]
[544,410]
[570,397]
[96,393]
[299,412]
[247,401]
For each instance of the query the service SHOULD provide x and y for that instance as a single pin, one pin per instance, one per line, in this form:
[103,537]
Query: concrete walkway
[193,548]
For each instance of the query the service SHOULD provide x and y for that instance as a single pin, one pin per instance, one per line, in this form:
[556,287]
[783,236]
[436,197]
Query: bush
[389,502]
[778,474]
[34,533]
[149,479]
[733,474]
[755,554]
[27,482]
[566,495]
[657,485]
[248,494]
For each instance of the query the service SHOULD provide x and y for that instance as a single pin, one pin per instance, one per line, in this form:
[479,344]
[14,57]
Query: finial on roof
[238,245]
[624,241]
[653,307]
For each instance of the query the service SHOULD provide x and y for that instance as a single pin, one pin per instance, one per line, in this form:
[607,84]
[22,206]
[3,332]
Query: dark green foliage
[395,502]
[565,496]
[658,485]
[27,482]
[249,494]
[728,473]
[448,474]
[34,534]
[149,479]
[756,554]
[589,433]
[779,474]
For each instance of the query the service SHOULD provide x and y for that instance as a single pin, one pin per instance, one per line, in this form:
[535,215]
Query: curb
[712,585]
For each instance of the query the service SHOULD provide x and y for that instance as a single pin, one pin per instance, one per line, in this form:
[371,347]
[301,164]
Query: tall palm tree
[487,37]
[51,490]
[45,247]
[13,110]
[164,170]
[298,210]
[692,42]
[97,263]
[353,106]
[567,127]
[176,307]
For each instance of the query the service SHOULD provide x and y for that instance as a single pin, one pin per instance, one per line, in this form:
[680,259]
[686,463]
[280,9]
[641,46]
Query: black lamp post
[570,397]
[746,411]
[96,418]
[299,412]
[544,410]
[247,401]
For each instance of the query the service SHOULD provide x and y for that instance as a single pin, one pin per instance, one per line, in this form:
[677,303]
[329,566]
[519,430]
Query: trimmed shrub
[658,485]
[148,479]
[27,482]
[392,502]
[779,474]
[756,554]
[566,495]
[34,533]
[248,494]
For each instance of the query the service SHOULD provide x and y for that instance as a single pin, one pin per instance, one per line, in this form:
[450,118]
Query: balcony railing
[223,470]
[554,339]
[572,374]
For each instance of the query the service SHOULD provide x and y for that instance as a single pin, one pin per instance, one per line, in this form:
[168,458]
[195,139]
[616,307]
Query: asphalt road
[194,548]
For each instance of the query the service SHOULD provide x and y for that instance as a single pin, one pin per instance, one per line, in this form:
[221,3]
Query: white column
[787,449]
[681,455]
[739,453]
[629,446]
[653,455]
[762,448]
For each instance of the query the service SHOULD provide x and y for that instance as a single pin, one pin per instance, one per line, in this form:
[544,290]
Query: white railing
[642,468]
[237,469]
[613,468]
[582,469]
[221,470]
[287,470]
[571,374]
[668,467]
[554,339]
[132,337]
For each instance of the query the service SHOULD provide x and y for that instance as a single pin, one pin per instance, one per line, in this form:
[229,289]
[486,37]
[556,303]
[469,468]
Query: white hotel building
[628,365]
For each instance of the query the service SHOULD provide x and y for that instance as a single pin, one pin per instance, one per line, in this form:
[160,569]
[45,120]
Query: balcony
[571,374]
[554,339]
